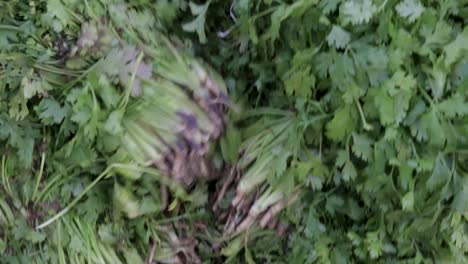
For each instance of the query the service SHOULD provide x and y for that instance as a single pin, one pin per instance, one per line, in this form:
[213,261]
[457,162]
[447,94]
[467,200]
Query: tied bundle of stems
[172,109]
[174,125]
[255,201]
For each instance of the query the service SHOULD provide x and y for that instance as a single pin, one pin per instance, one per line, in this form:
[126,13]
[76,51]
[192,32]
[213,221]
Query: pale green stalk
[39,176]
[268,198]
[132,148]
[254,176]
[104,174]
[146,136]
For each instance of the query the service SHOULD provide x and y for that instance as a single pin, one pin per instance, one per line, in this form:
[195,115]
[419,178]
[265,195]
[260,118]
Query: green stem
[39,176]
[5,180]
[78,198]
[179,217]
[54,70]
[72,83]
[347,147]
[366,125]
[124,102]
[413,147]
[426,96]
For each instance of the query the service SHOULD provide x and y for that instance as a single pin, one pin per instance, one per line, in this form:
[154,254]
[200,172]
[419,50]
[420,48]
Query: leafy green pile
[103,104]
[348,141]
[386,175]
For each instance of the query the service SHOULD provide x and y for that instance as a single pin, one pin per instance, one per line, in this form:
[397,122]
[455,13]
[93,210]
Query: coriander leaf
[122,62]
[454,106]
[333,204]
[50,111]
[341,125]
[407,202]
[300,83]
[276,18]
[440,174]
[455,49]
[329,6]
[198,24]
[410,9]
[56,9]
[7,36]
[358,11]
[25,150]
[284,11]
[113,123]
[349,172]
[405,176]
[338,37]
[435,131]
[437,78]
[104,89]
[385,105]
[362,147]
[314,182]
[460,201]
[439,36]
[313,226]
[374,244]
[341,158]
[21,136]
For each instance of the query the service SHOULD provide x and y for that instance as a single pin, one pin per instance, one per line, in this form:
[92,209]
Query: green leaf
[57,9]
[313,226]
[455,106]
[21,137]
[362,147]
[198,24]
[432,127]
[440,174]
[457,48]
[349,172]
[36,237]
[50,111]
[341,125]
[440,35]
[300,83]
[33,85]
[405,176]
[107,92]
[410,9]
[358,11]
[354,210]
[283,12]
[407,202]
[460,201]
[248,256]
[338,37]
[329,6]
[126,201]
[393,98]
[385,104]
[7,36]
[232,248]
[113,124]
[374,244]
[334,203]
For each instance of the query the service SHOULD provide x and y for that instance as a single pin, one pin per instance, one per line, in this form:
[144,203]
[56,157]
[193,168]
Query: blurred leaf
[198,24]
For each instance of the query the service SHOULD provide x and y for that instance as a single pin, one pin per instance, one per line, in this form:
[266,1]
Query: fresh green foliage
[357,110]
[390,165]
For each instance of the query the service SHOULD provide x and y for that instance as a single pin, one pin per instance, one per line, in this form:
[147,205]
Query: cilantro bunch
[389,184]
[351,129]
